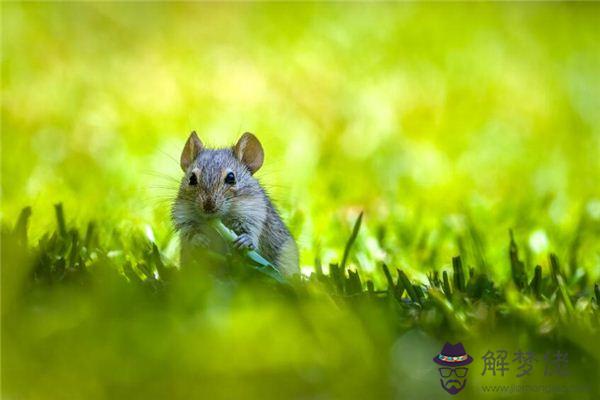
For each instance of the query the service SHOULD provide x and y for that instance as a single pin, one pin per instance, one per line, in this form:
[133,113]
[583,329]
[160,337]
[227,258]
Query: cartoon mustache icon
[453,380]
[453,386]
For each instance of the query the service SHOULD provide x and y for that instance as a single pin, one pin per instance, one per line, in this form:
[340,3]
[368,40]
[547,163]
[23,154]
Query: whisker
[169,156]
[160,175]
[170,188]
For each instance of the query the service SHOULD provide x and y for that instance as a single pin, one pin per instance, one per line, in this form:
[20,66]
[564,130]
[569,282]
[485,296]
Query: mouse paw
[243,242]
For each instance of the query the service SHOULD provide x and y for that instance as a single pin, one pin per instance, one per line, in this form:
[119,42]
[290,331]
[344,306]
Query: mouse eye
[230,178]
[193,180]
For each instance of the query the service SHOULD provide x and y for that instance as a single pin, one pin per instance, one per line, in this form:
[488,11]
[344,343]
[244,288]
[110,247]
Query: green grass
[465,136]
[96,317]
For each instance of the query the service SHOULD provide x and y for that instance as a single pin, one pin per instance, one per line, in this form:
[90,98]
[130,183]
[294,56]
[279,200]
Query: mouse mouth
[209,213]
[213,212]
[209,206]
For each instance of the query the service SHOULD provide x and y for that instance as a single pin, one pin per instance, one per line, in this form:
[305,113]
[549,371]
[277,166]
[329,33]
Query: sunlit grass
[446,126]
[78,292]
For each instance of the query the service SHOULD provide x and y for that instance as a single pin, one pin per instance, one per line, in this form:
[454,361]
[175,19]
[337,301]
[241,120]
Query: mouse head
[214,178]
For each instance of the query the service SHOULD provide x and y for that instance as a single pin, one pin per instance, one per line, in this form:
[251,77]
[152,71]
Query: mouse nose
[209,206]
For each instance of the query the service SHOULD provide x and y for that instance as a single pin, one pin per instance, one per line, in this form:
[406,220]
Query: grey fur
[244,207]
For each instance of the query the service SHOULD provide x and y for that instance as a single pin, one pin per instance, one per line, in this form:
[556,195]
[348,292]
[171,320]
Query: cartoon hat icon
[453,355]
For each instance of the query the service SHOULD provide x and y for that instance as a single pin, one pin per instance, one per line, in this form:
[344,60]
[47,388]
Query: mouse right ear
[192,148]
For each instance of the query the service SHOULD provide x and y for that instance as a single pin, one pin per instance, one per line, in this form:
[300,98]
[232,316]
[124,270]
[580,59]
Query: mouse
[221,183]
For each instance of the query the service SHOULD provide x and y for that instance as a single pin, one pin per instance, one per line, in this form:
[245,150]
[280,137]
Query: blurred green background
[422,115]
[448,124]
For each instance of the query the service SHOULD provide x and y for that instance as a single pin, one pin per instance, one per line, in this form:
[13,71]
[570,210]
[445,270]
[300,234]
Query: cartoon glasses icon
[460,372]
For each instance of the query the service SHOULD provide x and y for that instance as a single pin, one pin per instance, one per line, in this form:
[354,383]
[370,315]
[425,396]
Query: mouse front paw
[244,242]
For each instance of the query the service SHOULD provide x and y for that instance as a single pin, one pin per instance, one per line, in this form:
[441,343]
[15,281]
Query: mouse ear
[192,148]
[249,151]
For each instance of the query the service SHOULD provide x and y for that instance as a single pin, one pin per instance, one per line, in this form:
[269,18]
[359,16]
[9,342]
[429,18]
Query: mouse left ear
[250,152]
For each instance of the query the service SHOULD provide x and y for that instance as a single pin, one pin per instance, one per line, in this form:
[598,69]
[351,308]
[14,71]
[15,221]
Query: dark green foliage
[480,286]
[60,219]
[517,266]
[408,286]
[62,255]
[447,289]
[459,275]
[536,282]
[554,267]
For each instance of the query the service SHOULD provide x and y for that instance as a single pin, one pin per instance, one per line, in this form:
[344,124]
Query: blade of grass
[335,272]
[517,266]
[536,282]
[74,248]
[60,219]
[351,240]
[459,274]
[261,263]
[565,295]
[395,290]
[353,284]
[89,234]
[20,230]
[447,288]
[554,267]
[371,288]
[408,286]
